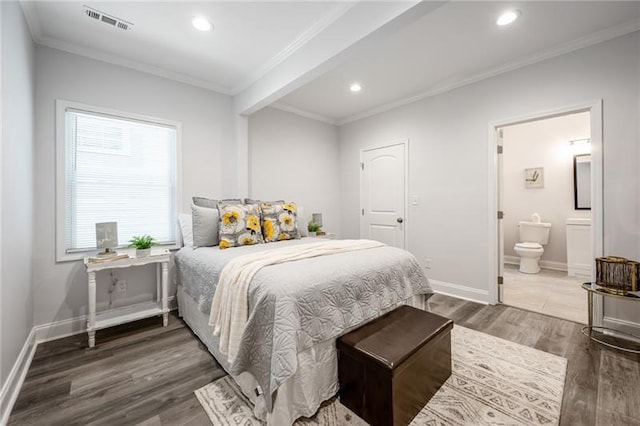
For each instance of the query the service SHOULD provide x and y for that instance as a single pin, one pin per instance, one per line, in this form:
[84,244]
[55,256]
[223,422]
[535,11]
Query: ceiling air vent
[107,19]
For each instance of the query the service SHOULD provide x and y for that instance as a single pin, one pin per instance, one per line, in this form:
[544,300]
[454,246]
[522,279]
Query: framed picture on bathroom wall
[534,177]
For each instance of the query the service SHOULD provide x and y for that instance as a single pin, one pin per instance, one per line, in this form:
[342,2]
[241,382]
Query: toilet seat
[529,246]
[529,254]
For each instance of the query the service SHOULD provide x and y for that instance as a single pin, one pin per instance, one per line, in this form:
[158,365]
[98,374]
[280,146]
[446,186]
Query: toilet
[533,236]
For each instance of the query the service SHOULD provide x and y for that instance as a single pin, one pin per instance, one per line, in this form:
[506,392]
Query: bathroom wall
[543,143]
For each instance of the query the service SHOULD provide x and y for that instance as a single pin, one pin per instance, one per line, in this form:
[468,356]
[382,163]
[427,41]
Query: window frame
[62,255]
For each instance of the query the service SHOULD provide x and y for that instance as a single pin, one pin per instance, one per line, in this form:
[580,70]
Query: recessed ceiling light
[201,24]
[508,17]
[355,87]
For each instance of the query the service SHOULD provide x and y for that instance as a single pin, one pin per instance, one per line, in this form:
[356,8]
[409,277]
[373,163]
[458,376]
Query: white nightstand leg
[165,291]
[158,287]
[91,322]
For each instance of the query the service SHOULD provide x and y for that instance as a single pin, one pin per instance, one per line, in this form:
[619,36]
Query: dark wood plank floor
[144,373]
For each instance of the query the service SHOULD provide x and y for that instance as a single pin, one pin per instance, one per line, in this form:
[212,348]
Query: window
[116,168]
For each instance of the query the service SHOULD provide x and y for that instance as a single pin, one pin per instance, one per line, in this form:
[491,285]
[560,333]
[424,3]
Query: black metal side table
[592,289]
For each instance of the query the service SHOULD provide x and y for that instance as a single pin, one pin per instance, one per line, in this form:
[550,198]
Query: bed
[287,361]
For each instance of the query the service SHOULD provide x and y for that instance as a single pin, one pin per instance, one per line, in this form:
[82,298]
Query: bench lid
[394,337]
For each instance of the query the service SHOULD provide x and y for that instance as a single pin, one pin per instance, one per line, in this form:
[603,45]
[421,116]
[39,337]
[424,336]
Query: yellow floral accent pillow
[279,221]
[239,225]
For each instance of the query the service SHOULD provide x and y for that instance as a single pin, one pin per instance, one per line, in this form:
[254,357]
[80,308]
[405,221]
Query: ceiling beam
[359,27]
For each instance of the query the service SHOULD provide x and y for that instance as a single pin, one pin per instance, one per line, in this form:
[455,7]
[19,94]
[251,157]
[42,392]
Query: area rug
[493,382]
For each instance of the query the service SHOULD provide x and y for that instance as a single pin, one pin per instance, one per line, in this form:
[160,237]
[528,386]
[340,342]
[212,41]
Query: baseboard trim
[580,271]
[627,327]
[60,329]
[40,334]
[72,326]
[511,260]
[546,264]
[460,291]
[13,383]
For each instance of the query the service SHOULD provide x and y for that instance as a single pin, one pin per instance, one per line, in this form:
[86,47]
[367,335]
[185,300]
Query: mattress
[296,305]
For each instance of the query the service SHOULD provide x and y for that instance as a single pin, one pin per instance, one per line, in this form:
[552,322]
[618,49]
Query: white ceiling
[424,50]
[457,43]
[249,37]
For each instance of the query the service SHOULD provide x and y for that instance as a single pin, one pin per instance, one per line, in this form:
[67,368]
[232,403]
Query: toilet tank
[531,232]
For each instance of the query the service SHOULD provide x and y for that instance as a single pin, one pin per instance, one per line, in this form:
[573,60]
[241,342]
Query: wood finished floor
[142,373]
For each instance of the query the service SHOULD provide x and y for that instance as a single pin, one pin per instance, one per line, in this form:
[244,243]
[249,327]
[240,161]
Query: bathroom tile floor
[548,292]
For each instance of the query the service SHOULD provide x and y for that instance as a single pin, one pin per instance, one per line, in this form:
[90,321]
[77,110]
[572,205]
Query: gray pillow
[205,226]
[252,201]
[213,204]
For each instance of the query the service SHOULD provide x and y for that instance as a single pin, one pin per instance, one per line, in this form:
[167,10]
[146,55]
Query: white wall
[542,143]
[449,157]
[296,158]
[17,170]
[207,138]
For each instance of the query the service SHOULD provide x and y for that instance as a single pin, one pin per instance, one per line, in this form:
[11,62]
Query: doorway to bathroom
[548,208]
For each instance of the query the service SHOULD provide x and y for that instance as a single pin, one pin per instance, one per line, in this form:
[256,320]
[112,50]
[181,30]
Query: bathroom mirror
[582,181]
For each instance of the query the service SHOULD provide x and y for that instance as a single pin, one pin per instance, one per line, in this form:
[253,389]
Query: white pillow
[186,229]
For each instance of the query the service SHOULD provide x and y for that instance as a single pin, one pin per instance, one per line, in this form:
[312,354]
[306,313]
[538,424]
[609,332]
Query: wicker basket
[617,273]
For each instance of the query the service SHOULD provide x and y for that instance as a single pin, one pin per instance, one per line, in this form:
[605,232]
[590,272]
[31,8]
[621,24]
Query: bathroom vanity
[579,256]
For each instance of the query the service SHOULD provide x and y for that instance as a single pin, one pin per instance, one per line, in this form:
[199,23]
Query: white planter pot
[312,234]
[143,252]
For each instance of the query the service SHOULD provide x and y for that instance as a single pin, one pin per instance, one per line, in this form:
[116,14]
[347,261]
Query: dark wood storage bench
[390,368]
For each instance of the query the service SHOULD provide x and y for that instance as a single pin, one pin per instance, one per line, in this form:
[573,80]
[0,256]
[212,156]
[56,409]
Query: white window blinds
[118,170]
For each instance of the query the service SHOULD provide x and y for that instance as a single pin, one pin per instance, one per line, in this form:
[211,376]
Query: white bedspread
[230,305]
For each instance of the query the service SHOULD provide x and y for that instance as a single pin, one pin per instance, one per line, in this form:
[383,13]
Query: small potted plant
[313,228]
[142,244]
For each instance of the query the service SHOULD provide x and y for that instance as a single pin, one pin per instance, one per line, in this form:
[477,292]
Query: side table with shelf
[110,318]
[594,289]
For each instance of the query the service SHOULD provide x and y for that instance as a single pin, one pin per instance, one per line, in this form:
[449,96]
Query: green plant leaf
[142,242]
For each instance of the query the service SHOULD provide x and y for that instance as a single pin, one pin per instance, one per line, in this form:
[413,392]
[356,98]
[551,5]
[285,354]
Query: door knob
[400,220]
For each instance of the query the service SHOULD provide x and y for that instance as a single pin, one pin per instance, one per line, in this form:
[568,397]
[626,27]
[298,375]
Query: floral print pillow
[279,221]
[239,225]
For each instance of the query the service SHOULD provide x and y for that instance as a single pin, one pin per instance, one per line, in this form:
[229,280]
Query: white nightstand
[134,312]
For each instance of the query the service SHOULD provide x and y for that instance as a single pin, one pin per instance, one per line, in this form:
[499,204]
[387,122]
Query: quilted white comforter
[294,305]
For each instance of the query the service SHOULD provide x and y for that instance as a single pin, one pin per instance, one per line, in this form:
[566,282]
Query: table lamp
[107,238]
[317,219]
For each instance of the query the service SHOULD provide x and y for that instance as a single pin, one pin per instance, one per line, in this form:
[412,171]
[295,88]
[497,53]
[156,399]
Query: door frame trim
[405,142]
[597,188]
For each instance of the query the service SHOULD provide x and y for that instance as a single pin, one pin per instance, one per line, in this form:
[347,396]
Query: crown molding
[31,16]
[320,25]
[580,43]
[135,65]
[304,113]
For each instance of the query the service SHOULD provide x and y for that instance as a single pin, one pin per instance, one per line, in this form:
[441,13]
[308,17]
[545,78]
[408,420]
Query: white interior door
[383,192]
[500,182]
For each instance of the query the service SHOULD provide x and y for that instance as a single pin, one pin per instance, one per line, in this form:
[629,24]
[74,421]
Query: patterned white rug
[494,382]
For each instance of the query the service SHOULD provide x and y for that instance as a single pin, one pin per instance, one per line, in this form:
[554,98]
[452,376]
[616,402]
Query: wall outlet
[121,286]
[427,263]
